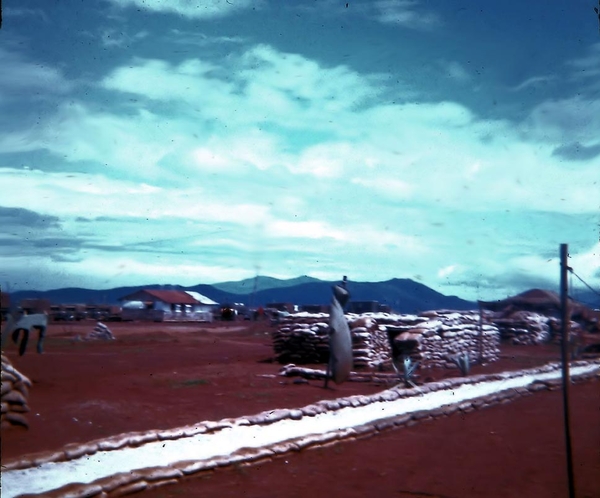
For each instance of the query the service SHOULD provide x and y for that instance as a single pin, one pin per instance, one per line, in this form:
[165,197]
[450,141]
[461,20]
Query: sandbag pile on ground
[431,338]
[575,330]
[434,337]
[102,332]
[370,343]
[304,338]
[15,393]
[523,328]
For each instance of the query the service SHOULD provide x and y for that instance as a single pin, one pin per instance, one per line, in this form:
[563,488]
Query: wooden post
[566,380]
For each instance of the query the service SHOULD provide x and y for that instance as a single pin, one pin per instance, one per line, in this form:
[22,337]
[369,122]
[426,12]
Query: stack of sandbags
[555,326]
[523,328]
[431,338]
[304,338]
[301,339]
[443,335]
[101,332]
[15,393]
[371,346]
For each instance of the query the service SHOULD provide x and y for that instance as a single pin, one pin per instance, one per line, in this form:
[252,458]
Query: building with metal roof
[167,305]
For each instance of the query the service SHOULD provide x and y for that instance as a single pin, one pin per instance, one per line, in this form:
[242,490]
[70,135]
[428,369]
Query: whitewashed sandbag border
[122,483]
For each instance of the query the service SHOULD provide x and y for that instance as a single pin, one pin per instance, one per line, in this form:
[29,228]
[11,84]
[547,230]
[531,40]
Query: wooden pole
[566,380]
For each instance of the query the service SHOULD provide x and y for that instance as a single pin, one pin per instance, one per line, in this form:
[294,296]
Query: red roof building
[166,305]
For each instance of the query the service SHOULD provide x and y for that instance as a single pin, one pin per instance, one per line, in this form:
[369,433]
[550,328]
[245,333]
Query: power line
[584,282]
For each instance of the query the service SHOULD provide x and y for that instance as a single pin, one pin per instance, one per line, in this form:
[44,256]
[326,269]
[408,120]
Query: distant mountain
[587,297]
[402,295]
[261,283]
[76,295]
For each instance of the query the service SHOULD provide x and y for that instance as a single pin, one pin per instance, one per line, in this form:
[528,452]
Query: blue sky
[153,141]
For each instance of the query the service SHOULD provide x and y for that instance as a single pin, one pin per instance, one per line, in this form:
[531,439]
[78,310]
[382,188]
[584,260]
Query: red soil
[166,375]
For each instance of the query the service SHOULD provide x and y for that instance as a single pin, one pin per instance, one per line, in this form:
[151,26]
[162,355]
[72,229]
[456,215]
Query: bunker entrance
[403,347]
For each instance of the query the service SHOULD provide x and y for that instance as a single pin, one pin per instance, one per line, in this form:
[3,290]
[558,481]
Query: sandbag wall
[523,328]
[15,394]
[530,328]
[430,338]
[434,337]
[304,338]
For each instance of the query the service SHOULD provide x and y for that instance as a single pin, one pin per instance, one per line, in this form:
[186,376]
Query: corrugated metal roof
[171,296]
[201,298]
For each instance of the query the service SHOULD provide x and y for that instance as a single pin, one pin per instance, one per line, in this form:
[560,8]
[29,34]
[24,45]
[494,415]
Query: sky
[201,141]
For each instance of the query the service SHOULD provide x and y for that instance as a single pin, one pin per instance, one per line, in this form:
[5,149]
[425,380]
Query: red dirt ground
[167,375]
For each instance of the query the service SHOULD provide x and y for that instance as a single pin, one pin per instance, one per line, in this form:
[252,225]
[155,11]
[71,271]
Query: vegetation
[408,371]
[463,362]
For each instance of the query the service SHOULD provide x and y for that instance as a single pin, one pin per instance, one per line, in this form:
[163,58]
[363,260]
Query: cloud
[284,113]
[525,271]
[304,230]
[302,78]
[572,119]
[94,195]
[203,119]
[455,71]
[132,144]
[327,160]
[106,216]
[585,263]
[112,38]
[446,271]
[187,38]
[103,270]
[273,157]
[405,13]
[17,218]
[576,151]
[31,233]
[158,80]
[25,78]
[534,82]
[588,66]
[392,187]
[9,12]
[193,9]
[261,85]
[236,152]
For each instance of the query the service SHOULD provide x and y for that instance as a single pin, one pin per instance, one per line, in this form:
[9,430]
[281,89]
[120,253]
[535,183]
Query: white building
[167,305]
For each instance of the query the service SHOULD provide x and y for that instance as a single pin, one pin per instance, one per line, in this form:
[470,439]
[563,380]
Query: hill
[402,295]
[260,283]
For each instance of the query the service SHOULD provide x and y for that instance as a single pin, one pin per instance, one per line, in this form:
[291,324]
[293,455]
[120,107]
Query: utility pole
[566,380]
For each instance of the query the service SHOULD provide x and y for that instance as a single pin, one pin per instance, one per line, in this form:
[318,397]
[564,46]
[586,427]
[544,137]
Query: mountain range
[402,295]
